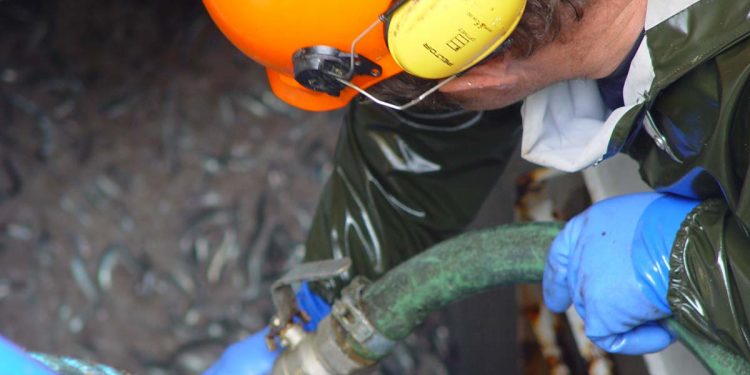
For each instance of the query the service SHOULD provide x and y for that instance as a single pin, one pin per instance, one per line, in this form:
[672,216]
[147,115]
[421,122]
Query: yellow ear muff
[439,38]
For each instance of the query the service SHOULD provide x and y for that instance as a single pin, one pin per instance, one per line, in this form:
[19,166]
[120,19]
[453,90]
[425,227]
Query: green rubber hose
[476,261]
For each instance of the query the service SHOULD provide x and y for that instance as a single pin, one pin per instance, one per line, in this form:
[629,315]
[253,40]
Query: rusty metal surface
[545,194]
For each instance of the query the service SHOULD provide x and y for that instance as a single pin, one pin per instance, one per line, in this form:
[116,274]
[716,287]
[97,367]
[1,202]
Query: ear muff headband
[439,38]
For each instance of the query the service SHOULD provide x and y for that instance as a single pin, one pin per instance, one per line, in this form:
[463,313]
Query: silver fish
[13,183]
[111,257]
[43,122]
[83,279]
[227,251]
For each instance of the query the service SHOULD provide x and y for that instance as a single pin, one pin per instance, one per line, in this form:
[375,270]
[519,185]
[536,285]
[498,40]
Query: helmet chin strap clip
[321,68]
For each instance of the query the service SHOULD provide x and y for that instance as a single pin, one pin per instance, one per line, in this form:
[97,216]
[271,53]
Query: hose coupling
[349,312]
[344,343]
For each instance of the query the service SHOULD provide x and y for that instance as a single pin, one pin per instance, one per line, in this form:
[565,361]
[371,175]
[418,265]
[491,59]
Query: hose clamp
[347,310]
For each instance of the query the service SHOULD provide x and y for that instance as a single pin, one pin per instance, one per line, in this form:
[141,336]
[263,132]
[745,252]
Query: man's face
[592,49]
[505,80]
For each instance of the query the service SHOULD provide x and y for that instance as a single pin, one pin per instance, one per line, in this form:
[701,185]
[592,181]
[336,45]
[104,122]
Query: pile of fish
[151,188]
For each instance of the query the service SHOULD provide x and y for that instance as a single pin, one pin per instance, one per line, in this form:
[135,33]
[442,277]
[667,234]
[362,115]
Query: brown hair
[542,23]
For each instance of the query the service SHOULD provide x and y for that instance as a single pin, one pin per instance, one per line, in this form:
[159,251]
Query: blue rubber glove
[250,356]
[612,263]
[15,361]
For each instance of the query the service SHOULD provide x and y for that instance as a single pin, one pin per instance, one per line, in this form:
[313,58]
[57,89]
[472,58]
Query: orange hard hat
[308,47]
[275,33]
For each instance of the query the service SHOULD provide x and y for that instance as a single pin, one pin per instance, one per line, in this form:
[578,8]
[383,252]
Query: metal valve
[283,327]
[321,352]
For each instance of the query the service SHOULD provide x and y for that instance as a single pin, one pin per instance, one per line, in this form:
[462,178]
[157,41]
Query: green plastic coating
[476,261]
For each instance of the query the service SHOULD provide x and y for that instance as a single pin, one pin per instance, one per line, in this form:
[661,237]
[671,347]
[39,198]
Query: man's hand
[250,356]
[612,263]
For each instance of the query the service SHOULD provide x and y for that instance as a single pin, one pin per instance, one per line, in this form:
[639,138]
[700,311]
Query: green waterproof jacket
[402,182]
